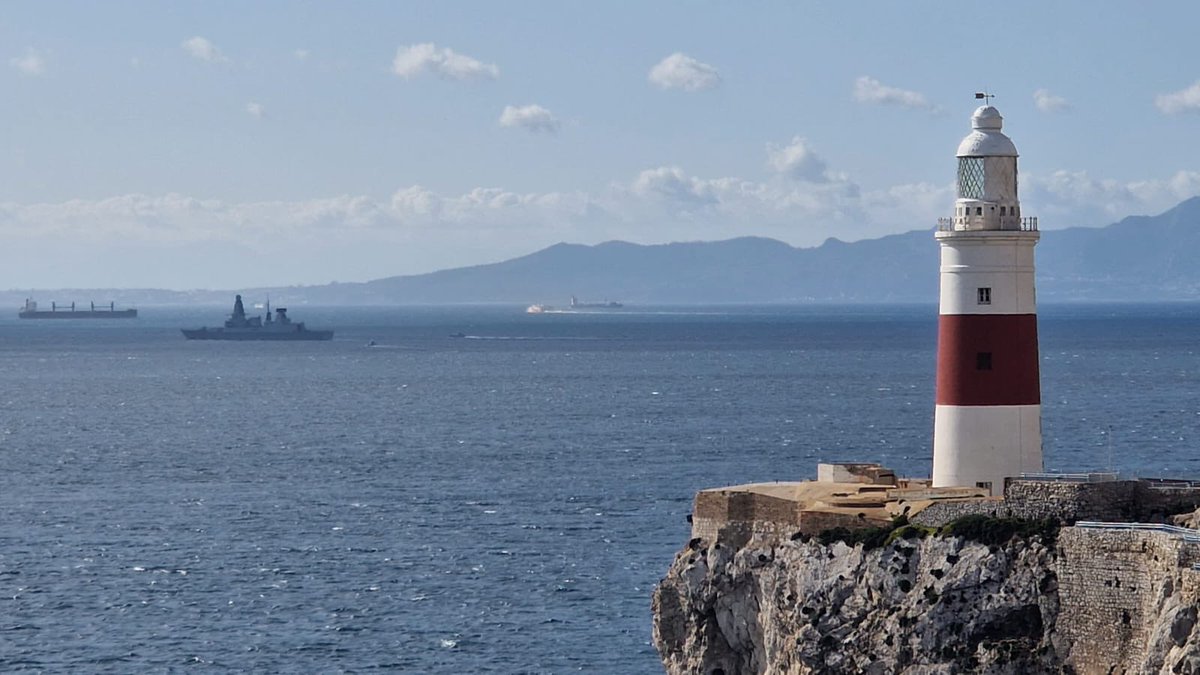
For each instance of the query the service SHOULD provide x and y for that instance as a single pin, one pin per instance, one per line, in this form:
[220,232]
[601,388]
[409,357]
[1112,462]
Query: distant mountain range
[1142,258]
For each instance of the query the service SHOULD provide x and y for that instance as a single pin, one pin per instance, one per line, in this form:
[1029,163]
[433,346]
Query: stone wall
[1112,501]
[940,513]
[1169,500]
[733,516]
[1116,589]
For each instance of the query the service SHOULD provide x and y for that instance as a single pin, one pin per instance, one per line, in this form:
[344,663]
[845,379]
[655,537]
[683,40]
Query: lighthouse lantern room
[987,420]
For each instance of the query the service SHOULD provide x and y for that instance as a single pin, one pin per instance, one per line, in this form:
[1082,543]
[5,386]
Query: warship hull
[255,335]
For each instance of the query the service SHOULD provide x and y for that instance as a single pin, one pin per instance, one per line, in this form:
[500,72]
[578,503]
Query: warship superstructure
[240,327]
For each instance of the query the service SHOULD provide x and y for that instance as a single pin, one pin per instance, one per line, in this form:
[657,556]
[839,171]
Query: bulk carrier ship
[31,311]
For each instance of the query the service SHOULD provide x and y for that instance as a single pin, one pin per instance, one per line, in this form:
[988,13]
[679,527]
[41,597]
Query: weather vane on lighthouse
[987,98]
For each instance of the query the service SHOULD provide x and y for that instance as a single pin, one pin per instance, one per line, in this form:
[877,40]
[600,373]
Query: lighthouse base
[973,445]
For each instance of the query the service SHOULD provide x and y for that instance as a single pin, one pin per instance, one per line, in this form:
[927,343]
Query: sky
[230,144]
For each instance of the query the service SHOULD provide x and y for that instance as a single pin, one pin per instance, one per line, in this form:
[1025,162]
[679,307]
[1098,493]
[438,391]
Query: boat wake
[522,338]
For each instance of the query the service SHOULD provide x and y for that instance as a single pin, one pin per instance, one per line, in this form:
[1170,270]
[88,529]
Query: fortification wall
[940,513]
[734,517]
[1112,501]
[1115,592]
[1168,500]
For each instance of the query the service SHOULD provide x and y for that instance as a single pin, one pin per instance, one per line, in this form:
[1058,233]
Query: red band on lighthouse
[988,359]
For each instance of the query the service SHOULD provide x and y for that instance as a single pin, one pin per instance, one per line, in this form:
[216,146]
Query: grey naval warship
[240,327]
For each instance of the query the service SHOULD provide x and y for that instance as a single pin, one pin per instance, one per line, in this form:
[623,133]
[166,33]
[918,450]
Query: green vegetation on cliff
[986,530]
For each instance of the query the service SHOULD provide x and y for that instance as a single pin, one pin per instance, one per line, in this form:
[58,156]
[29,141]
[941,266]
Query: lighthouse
[987,421]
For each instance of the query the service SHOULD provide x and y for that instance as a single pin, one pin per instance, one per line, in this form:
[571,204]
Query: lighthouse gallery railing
[1023,223]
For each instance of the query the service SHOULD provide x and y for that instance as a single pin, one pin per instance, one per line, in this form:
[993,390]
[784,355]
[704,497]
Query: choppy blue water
[502,502]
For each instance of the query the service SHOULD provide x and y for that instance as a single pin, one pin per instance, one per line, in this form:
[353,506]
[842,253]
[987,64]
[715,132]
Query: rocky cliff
[955,600]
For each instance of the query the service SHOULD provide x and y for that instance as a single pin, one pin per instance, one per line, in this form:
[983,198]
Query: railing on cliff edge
[1094,477]
[1171,482]
[1185,533]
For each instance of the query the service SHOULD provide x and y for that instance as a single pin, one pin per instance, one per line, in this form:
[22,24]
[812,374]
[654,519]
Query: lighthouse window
[979,210]
[970,178]
[985,295]
[983,361]
[1002,209]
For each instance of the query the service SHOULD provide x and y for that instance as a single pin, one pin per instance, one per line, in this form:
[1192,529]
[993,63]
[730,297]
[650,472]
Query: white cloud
[255,110]
[300,54]
[415,229]
[671,184]
[200,48]
[1075,198]
[1047,102]
[872,91]
[908,207]
[1184,100]
[354,237]
[164,239]
[531,117]
[666,204]
[492,210]
[798,161]
[680,71]
[805,212]
[31,63]
[413,60]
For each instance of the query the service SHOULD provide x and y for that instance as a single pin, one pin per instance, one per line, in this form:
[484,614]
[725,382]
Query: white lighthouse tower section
[1003,264]
[987,421]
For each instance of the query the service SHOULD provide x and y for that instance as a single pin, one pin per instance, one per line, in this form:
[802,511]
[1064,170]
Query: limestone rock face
[1108,599]
[1190,519]
[933,605]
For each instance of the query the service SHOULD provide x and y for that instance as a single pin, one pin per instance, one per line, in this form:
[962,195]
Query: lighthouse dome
[986,139]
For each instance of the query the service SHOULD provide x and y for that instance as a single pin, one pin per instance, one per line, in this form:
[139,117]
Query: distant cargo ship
[31,311]
[240,327]
[576,304]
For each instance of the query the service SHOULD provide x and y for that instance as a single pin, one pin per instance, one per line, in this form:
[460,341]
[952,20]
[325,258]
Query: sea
[471,489]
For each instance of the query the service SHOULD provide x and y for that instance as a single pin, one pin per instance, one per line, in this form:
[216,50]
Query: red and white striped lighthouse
[988,419]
